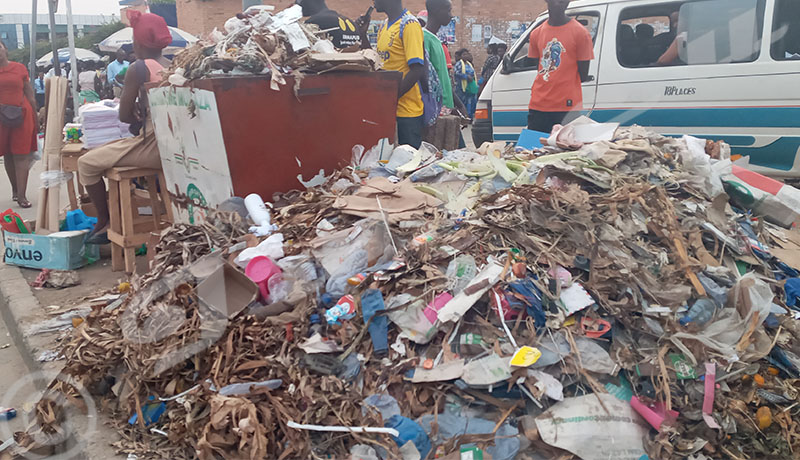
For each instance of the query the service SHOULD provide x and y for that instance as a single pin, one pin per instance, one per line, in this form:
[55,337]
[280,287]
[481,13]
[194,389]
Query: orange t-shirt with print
[557,87]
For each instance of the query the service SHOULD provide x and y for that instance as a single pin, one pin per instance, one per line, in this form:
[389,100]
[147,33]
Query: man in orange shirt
[561,49]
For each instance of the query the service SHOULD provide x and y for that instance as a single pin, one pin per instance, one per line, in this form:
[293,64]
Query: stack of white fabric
[101,123]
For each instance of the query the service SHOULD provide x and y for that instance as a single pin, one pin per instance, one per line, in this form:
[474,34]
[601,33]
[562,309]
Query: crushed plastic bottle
[278,287]
[461,271]
[701,312]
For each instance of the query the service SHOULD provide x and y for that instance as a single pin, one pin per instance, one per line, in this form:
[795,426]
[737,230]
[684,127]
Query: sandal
[24,204]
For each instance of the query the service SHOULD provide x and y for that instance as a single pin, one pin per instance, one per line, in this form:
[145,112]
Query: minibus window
[786,31]
[720,31]
[690,33]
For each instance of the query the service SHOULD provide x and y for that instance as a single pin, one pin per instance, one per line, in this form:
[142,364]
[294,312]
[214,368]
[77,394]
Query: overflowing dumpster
[232,136]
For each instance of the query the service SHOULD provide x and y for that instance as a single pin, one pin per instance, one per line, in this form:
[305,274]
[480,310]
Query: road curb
[19,307]
[16,303]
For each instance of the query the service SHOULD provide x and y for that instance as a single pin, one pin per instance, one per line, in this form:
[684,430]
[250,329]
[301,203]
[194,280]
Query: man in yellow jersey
[400,45]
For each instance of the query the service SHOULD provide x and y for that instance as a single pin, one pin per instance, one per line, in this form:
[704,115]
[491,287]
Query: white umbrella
[124,38]
[63,56]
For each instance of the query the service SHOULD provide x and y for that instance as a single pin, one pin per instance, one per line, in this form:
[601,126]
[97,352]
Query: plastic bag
[37,154]
[750,297]
[53,178]
[703,174]
[272,247]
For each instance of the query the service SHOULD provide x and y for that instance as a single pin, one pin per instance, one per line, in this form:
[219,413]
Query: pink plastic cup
[260,269]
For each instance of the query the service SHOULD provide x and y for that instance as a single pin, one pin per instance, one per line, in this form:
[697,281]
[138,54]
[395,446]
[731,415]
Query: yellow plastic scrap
[526,356]
[124,287]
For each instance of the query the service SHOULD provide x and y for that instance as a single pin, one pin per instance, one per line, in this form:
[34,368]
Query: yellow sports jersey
[399,45]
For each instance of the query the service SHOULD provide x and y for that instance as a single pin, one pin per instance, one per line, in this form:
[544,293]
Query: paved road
[33,191]
[15,390]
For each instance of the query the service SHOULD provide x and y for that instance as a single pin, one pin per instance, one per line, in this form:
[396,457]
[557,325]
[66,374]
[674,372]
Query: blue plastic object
[410,431]
[792,288]
[151,412]
[533,300]
[372,303]
[530,140]
[701,312]
[77,220]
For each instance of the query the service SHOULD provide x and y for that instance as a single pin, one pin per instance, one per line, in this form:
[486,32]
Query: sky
[107,7]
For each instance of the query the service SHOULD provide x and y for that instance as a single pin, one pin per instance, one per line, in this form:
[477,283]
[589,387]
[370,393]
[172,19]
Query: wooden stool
[128,230]
[70,154]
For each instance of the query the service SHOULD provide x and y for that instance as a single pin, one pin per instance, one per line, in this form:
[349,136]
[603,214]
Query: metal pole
[52,6]
[32,63]
[72,59]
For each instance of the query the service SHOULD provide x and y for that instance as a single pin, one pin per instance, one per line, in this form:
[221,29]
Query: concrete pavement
[23,375]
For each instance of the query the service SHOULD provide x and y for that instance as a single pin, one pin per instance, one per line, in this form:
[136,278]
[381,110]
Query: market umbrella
[124,38]
[81,54]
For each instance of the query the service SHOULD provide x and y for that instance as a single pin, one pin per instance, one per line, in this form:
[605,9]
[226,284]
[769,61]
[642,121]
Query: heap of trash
[259,43]
[612,293]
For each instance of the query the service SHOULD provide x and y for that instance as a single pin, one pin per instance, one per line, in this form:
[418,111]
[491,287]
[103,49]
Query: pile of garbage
[259,43]
[598,297]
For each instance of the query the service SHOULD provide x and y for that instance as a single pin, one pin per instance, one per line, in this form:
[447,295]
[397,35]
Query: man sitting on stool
[150,36]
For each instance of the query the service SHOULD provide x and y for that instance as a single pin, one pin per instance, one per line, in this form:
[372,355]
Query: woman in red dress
[17,143]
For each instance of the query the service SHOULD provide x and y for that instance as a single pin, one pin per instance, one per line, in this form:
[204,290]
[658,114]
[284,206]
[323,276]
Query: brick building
[476,20]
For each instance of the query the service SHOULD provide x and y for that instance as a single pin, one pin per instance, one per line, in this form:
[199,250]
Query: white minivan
[736,77]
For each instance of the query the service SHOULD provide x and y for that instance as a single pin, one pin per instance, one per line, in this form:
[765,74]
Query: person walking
[39,86]
[466,86]
[497,49]
[439,14]
[114,67]
[561,49]
[87,79]
[18,125]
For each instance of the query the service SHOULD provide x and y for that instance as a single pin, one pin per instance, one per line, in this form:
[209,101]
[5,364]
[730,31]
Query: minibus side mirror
[507,64]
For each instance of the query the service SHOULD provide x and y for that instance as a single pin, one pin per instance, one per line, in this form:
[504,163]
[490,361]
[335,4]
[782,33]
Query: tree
[88,41]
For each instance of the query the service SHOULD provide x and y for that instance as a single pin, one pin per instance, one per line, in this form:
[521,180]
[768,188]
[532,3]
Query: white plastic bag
[37,154]
[272,247]
[54,177]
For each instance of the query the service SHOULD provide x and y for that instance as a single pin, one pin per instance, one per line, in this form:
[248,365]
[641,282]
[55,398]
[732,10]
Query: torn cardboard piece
[227,290]
[401,201]
[461,303]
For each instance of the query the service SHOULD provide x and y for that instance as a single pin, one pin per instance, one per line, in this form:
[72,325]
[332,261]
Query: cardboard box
[56,251]
[227,290]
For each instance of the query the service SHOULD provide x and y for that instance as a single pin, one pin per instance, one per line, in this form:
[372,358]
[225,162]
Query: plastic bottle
[460,272]
[278,288]
[316,324]
[409,431]
[260,214]
[701,312]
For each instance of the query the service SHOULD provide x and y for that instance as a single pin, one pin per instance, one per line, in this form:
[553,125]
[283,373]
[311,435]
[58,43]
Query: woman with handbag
[18,124]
